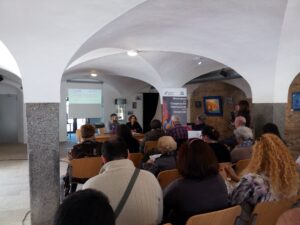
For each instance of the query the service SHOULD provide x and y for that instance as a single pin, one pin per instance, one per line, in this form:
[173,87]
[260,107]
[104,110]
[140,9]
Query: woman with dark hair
[200,190]
[271,128]
[134,125]
[211,136]
[243,110]
[124,132]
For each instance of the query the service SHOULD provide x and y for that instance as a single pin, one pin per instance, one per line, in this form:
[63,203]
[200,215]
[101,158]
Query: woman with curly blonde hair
[270,175]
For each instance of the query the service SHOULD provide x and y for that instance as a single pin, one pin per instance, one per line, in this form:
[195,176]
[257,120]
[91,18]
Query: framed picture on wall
[213,105]
[296,101]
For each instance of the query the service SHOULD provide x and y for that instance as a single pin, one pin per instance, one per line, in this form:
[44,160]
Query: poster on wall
[174,103]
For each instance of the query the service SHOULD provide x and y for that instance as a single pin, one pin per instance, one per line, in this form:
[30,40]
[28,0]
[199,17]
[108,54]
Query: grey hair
[166,144]
[243,133]
[175,118]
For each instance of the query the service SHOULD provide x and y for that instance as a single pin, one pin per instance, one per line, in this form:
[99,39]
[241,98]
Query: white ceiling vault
[62,39]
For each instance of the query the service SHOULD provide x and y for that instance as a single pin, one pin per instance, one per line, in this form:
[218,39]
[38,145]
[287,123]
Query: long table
[106,137]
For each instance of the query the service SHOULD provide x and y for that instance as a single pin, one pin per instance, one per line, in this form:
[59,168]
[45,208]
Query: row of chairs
[85,168]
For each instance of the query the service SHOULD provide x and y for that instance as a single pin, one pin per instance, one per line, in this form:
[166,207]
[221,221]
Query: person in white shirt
[144,205]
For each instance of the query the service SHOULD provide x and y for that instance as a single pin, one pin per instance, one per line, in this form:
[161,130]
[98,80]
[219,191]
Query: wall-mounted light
[94,75]
[132,53]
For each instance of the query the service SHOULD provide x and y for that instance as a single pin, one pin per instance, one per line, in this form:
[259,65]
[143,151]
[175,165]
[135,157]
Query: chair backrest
[220,217]
[136,158]
[85,167]
[267,213]
[166,177]
[241,165]
[150,145]
[101,130]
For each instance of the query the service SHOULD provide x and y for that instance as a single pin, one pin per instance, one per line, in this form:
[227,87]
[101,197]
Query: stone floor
[14,182]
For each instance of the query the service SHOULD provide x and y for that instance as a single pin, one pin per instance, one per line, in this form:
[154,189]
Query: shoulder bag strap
[126,193]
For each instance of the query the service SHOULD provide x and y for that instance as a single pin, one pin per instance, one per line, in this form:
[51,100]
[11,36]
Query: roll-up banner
[174,103]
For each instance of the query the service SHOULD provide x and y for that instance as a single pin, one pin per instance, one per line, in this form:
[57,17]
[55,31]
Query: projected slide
[85,96]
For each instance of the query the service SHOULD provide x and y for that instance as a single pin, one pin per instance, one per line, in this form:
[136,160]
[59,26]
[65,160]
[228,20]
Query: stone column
[263,113]
[43,150]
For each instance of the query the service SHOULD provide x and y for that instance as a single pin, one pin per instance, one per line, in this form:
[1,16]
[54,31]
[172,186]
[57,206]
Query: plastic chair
[136,158]
[166,177]
[267,213]
[221,217]
[150,145]
[241,165]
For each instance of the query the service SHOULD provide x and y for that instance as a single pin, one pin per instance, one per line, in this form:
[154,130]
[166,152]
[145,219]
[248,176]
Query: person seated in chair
[88,148]
[166,146]
[154,134]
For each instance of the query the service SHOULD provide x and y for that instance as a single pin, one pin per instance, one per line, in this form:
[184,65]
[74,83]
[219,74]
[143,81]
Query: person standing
[113,123]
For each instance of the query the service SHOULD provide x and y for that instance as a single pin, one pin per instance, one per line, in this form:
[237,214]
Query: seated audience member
[144,203]
[113,123]
[133,144]
[88,207]
[134,125]
[178,132]
[154,134]
[243,150]
[244,111]
[231,141]
[271,128]
[88,148]
[201,189]
[271,175]
[290,217]
[211,136]
[200,122]
[166,146]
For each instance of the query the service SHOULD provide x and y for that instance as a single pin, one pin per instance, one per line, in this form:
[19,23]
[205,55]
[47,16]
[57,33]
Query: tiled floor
[14,182]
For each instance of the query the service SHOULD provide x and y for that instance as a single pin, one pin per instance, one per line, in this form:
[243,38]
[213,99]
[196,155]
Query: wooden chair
[78,136]
[84,168]
[150,145]
[221,217]
[241,165]
[267,213]
[166,177]
[136,158]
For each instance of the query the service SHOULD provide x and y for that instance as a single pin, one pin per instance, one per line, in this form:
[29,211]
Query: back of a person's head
[155,124]
[87,131]
[88,207]
[271,157]
[271,128]
[243,133]
[124,132]
[166,144]
[196,159]
[175,119]
[114,149]
[211,133]
[240,121]
[244,106]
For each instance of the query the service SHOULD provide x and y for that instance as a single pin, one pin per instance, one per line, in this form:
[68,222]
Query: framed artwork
[213,105]
[296,101]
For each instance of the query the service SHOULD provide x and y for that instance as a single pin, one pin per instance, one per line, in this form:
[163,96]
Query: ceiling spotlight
[94,75]
[132,53]
[200,62]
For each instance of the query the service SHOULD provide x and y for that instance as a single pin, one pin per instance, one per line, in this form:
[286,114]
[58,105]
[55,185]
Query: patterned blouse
[251,189]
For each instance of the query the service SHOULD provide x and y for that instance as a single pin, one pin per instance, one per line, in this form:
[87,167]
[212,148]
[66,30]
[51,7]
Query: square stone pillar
[263,113]
[43,150]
